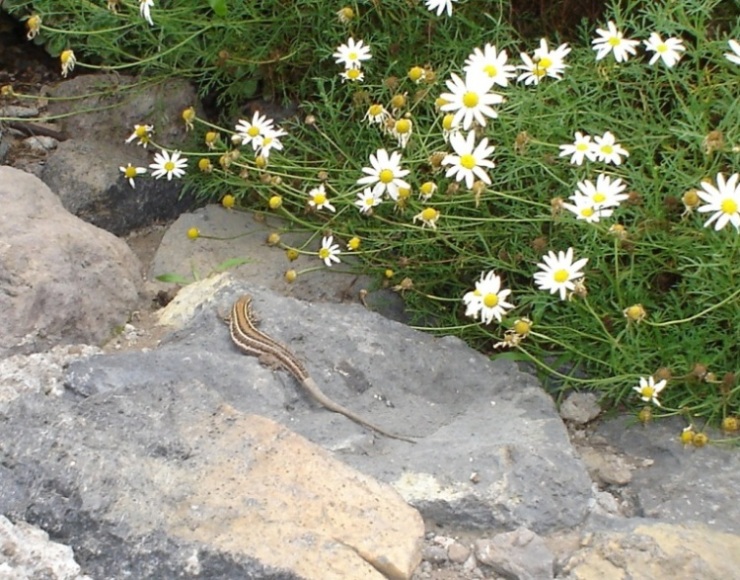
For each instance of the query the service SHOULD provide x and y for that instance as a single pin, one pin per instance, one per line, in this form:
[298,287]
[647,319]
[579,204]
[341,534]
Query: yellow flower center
[490,70]
[599,197]
[266,141]
[561,276]
[581,147]
[544,63]
[729,206]
[353,73]
[386,176]
[470,99]
[140,131]
[429,214]
[253,131]
[614,41]
[416,73]
[490,300]
[324,253]
[467,161]
[607,149]
[661,48]
[375,110]
[319,198]
[690,198]
[211,136]
[447,122]
[275,202]
[522,327]
[169,166]
[66,56]
[587,212]
[354,243]
[352,56]
[427,188]
[647,392]
[403,126]
[403,193]
[370,201]
[130,172]
[398,101]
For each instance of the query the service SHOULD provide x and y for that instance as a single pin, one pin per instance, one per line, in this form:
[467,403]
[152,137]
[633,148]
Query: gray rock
[40,143]
[64,281]
[27,554]
[84,170]
[676,484]
[458,552]
[458,404]
[19,112]
[580,408]
[86,176]
[647,550]
[517,555]
[110,107]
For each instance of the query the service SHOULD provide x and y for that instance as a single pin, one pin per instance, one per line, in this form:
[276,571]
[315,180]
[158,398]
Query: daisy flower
[318,199]
[469,161]
[649,389]
[366,201]
[470,99]
[268,141]
[143,133]
[449,127]
[608,150]
[329,251]
[580,149]
[345,15]
[428,217]
[606,193]
[734,56]
[353,75]
[584,209]
[250,131]
[164,164]
[145,10]
[612,40]
[68,61]
[669,51]
[440,6]
[491,65]
[377,115]
[352,54]
[34,25]
[723,200]
[544,62]
[130,172]
[559,273]
[386,174]
[488,299]
[427,190]
[402,131]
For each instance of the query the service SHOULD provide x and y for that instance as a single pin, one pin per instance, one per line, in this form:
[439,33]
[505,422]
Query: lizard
[250,340]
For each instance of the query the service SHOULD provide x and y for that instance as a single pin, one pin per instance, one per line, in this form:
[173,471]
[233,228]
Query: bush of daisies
[572,204]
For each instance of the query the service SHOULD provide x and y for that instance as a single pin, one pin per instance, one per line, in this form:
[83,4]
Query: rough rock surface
[63,281]
[655,550]
[27,554]
[520,554]
[468,421]
[84,171]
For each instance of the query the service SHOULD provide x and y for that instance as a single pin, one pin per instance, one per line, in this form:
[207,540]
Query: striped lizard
[250,340]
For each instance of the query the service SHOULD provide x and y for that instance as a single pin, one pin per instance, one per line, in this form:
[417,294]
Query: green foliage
[680,124]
